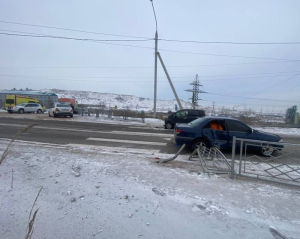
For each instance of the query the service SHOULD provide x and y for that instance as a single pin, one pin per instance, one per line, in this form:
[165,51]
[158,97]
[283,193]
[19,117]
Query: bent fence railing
[281,166]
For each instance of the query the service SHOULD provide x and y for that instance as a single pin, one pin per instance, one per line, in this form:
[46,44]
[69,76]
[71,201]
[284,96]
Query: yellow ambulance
[12,100]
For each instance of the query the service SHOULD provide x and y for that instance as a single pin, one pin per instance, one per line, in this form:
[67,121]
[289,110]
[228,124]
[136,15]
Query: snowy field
[102,192]
[149,122]
[280,131]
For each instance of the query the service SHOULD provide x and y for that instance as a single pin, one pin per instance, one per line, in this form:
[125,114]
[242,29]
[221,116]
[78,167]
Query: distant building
[44,98]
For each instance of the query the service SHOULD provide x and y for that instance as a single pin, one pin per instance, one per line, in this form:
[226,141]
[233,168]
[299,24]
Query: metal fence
[281,166]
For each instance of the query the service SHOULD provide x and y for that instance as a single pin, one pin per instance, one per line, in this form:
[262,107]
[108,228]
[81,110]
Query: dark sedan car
[200,133]
[183,116]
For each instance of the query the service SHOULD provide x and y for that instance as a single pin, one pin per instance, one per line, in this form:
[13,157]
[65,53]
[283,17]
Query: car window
[195,113]
[22,104]
[182,114]
[10,101]
[63,105]
[237,126]
[28,105]
[219,125]
[197,122]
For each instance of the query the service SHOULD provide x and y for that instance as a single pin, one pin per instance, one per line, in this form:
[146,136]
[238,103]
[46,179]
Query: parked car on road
[26,108]
[182,116]
[219,131]
[60,109]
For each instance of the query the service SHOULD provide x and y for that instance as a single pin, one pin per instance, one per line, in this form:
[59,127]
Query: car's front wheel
[71,116]
[21,111]
[39,111]
[169,125]
[200,143]
[267,150]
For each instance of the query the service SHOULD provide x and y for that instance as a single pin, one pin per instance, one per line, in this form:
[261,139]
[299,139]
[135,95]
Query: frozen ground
[149,122]
[102,192]
[279,130]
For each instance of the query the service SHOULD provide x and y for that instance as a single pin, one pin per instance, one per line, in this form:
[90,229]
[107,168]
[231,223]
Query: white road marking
[126,141]
[84,146]
[95,131]
[141,133]
[115,149]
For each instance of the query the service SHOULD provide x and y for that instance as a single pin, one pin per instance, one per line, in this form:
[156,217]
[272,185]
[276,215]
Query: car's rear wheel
[200,143]
[21,111]
[71,116]
[169,125]
[54,115]
[39,111]
[267,150]
[49,114]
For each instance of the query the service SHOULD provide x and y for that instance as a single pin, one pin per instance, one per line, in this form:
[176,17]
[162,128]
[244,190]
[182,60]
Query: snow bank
[279,130]
[96,192]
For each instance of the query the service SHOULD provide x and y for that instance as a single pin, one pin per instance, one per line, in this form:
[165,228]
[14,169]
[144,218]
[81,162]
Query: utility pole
[196,84]
[155,63]
[214,108]
[169,79]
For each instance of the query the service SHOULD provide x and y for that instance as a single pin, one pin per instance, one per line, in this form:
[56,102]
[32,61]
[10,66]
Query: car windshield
[63,105]
[196,122]
[22,104]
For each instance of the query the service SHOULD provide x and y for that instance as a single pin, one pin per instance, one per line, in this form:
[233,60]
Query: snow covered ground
[279,130]
[103,192]
[121,101]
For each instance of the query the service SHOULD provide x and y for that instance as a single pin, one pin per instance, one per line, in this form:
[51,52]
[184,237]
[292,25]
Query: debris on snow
[158,192]
[276,234]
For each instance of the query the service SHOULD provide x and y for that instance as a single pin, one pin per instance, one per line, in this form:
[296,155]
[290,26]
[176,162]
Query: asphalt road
[67,131]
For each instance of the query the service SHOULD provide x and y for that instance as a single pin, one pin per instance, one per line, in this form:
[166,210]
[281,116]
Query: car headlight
[281,141]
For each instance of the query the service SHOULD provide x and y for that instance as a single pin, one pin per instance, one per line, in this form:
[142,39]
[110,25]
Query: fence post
[82,111]
[89,112]
[232,158]
[97,113]
[241,155]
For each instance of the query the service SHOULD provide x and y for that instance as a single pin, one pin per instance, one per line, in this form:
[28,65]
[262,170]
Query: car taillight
[56,109]
[178,131]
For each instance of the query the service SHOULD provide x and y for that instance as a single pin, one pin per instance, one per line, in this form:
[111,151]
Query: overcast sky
[260,71]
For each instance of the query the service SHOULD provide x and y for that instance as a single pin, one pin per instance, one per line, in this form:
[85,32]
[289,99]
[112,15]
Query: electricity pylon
[195,91]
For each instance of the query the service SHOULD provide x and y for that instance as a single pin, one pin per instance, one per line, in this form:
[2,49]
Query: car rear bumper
[183,140]
[63,113]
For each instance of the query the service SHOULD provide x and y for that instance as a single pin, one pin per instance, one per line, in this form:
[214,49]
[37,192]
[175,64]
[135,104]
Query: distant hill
[121,101]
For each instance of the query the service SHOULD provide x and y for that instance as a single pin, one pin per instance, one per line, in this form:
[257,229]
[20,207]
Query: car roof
[191,109]
[218,118]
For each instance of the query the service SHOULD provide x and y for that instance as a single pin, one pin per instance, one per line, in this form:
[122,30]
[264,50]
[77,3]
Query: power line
[143,47]
[235,96]
[72,30]
[231,43]
[143,77]
[68,38]
[147,67]
[162,39]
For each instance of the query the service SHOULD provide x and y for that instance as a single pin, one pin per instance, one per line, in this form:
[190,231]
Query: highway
[67,131]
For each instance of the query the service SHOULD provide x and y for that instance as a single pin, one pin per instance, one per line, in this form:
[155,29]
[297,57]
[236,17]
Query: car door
[217,138]
[27,107]
[238,129]
[34,107]
[193,114]
[181,116]
[51,108]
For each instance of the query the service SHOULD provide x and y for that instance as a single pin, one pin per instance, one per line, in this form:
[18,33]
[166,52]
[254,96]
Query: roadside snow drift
[102,192]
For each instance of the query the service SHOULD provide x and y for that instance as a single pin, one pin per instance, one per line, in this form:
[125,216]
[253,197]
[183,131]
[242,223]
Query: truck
[72,102]
[13,100]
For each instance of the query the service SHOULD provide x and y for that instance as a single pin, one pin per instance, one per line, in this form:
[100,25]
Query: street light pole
[155,62]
